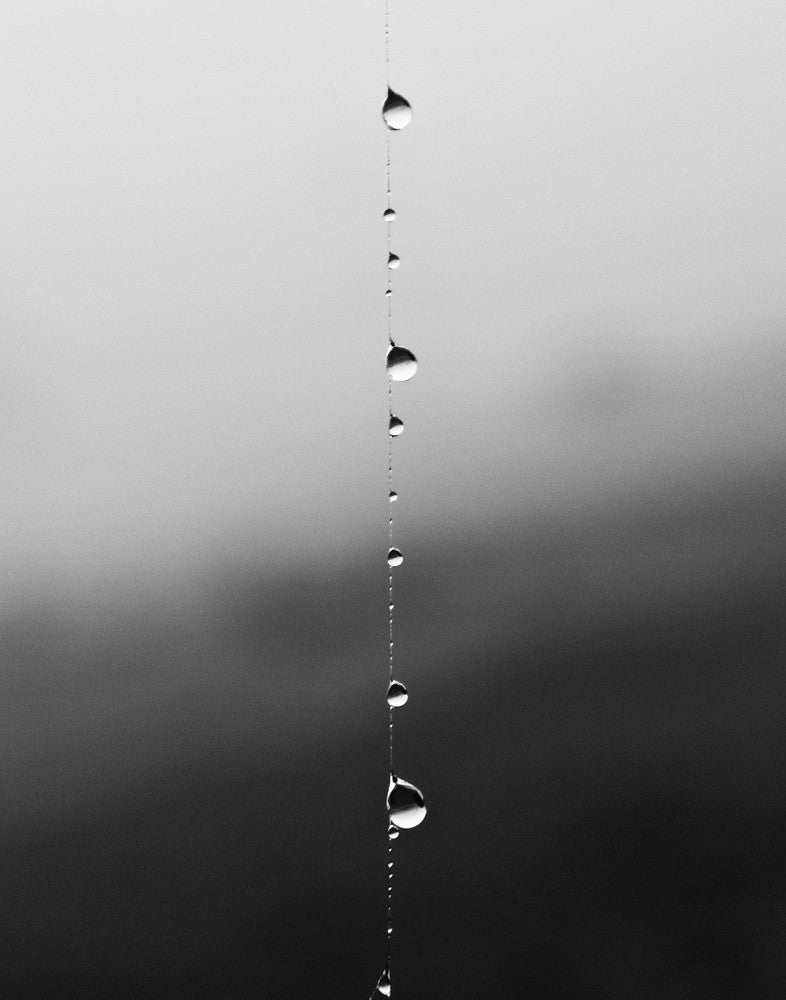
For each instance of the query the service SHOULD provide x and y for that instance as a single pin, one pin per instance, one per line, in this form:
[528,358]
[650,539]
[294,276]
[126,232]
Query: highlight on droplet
[397,694]
[396,111]
[383,983]
[406,805]
[401,363]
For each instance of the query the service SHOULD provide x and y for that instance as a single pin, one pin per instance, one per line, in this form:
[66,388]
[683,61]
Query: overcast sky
[592,228]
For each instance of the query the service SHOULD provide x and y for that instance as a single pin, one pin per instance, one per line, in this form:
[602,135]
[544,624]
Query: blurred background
[193,509]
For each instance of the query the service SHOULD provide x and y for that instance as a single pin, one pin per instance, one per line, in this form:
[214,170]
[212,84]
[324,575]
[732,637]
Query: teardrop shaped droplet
[406,805]
[392,496]
[395,427]
[396,111]
[397,694]
[395,557]
[394,261]
[389,215]
[402,364]
[383,983]
[392,832]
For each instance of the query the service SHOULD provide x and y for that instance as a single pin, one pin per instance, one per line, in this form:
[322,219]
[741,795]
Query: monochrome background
[193,514]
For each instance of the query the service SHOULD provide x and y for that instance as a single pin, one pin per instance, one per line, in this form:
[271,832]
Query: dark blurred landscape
[194,787]
[193,513]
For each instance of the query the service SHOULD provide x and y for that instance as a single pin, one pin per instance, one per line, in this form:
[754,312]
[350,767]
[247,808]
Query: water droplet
[395,557]
[402,364]
[393,496]
[406,805]
[392,832]
[383,983]
[389,215]
[393,261]
[390,930]
[396,111]
[388,292]
[395,427]
[397,694]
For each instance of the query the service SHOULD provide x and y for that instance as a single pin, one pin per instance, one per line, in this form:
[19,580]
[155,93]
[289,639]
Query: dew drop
[392,832]
[383,983]
[388,292]
[393,496]
[396,111]
[395,557]
[389,215]
[406,805]
[395,427]
[397,694]
[402,364]
[394,261]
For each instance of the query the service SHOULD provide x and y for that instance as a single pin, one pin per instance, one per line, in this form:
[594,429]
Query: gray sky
[593,236]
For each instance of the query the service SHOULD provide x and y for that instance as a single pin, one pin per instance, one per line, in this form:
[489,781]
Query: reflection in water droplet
[383,983]
[397,694]
[402,364]
[395,427]
[396,111]
[393,496]
[393,261]
[392,832]
[406,805]
[389,215]
[395,557]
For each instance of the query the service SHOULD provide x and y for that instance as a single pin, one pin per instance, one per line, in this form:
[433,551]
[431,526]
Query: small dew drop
[397,694]
[396,111]
[402,363]
[394,261]
[383,983]
[392,832]
[393,496]
[388,292]
[406,805]
[395,427]
[389,215]
[395,557]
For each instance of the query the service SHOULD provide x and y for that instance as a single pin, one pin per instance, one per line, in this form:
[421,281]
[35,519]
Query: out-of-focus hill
[194,785]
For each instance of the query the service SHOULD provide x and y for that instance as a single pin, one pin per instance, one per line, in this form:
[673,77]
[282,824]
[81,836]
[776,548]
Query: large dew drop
[383,983]
[395,557]
[402,364]
[393,496]
[397,694]
[389,215]
[396,111]
[395,426]
[406,805]
[394,261]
